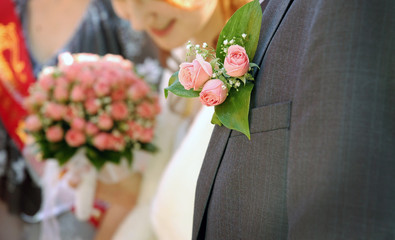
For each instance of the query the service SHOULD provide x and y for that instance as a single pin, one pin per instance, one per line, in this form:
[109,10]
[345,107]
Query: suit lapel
[273,13]
[212,160]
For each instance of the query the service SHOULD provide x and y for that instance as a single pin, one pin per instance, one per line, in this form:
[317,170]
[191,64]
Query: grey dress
[101,32]
[321,160]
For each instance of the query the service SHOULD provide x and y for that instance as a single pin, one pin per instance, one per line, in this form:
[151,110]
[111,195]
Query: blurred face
[170,25]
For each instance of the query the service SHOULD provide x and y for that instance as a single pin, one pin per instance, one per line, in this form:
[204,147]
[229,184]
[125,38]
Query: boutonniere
[222,78]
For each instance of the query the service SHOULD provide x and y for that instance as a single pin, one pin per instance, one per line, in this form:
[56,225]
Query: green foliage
[179,90]
[128,154]
[243,28]
[247,20]
[233,113]
[59,150]
[215,120]
[149,147]
[99,158]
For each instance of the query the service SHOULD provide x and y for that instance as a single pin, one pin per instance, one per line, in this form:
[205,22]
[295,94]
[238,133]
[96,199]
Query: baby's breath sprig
[205,51]
[241,40]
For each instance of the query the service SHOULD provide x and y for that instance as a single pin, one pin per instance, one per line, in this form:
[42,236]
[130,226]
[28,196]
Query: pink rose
[147,135]
[90,93]
[214,93]
[33,123]
[236,62]
[117,143]
[62,82]
[78,123]
[91,129]
[46,81]
[115,77]
[118,94]
[146,110]
[77,94]
[71,71]
[54,133]
[105,122]
[119,110]
[72,112]
[138,90]
[61,93]
[75,138]
[102,88]
[135,130]
[55,111]
[36,99]
[39,97]
[101,141]
[87,78]
[92,105]
[195,74]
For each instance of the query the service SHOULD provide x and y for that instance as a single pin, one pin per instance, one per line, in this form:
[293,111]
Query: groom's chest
[250,184]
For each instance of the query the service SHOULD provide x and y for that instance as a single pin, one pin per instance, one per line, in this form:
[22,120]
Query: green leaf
[64,154]
[254,65]
[44,147]
[61,151]
[213,63]
[149,147]
[233,113]
[215,120]
[173,78]
[99,158]
[246,19]
[94,157]
[179,90]
[111,156]
[128,154]
[243,79]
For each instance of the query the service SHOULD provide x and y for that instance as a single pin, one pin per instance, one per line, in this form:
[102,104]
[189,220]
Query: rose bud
[54,133]
[77,94]
[119,110]
[196,74]
[214,93]
[236,62]
[75,138]
[33,123]
[105,122]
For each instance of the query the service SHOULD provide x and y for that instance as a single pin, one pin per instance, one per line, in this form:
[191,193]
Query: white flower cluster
[235,40]
[203,50]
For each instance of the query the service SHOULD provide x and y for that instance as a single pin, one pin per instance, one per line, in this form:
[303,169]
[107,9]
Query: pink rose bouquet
[91,102]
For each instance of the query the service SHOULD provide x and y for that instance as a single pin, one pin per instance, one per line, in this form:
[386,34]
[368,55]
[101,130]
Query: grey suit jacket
[321,160]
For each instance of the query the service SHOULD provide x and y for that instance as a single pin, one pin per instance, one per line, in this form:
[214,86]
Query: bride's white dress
[172,207]
[166,213]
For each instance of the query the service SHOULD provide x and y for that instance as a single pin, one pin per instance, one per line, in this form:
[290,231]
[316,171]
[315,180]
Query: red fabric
[98,211]
[16,73]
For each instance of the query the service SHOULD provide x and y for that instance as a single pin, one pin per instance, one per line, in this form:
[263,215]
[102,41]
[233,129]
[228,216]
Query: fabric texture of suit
[321,160]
